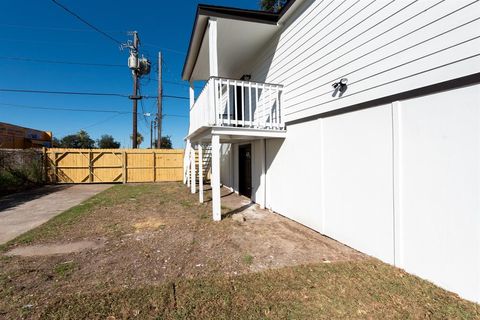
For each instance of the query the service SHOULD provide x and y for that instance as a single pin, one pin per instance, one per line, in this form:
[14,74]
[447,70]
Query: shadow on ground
[16,199]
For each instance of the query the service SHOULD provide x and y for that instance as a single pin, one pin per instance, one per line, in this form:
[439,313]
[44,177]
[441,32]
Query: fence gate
[113,165]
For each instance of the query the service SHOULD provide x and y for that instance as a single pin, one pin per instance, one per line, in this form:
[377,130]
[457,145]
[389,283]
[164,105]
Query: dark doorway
[245,170]
[239,104]
[239,93]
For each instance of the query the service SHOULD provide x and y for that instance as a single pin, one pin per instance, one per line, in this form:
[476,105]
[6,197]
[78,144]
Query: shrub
[20,170]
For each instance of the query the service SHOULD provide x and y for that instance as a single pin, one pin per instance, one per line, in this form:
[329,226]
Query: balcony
[239,105]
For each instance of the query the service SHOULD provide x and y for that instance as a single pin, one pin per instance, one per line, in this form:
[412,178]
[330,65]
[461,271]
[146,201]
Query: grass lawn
[163,258]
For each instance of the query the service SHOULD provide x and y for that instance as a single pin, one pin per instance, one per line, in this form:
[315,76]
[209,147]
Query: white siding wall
[439,189]
[293,174]
[400,182]
[227,165]
[382,47]
[358,180]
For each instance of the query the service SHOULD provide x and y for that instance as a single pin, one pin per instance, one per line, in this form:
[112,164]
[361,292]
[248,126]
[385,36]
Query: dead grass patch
[150,224]
[164,258]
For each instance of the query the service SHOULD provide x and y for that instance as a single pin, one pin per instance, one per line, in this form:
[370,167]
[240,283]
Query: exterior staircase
[207,162]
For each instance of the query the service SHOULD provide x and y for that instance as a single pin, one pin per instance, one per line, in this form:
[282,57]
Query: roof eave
[227,13]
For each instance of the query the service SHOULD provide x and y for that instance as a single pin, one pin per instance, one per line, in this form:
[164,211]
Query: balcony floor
[234,134]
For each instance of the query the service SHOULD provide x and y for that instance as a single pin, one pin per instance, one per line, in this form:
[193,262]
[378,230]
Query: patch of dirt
[52,249]
[165,235]
[149,224]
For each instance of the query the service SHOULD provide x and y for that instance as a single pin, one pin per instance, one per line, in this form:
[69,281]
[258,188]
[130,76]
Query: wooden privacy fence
[113,165]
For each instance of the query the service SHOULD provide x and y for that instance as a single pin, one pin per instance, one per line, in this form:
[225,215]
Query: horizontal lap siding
[382,47]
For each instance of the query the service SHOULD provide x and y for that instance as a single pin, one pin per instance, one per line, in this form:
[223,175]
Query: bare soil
[154,238]
[52,249]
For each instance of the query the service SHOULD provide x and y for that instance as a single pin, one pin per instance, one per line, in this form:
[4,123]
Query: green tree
[80,140]
[106,141]
[165,143]
[56,142]
[272,5]
[139,138]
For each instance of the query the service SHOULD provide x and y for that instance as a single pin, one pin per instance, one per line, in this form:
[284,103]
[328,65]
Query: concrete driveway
[23,211]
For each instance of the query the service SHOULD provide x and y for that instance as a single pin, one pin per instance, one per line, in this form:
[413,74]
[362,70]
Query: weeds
[248,259]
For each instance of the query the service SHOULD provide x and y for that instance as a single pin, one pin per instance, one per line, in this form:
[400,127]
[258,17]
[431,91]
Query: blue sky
[38,29]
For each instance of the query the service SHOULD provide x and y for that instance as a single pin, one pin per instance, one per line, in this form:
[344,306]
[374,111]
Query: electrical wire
[63,109]
[172,97]
[45,42]
[65,92]
[54,28]
[142,107]
[176,83]
[80,110]
[163,48]
[62,62]
[101,121]
[86,22]
[108,94]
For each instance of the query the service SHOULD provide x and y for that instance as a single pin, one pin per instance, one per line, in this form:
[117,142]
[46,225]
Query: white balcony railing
[236,103]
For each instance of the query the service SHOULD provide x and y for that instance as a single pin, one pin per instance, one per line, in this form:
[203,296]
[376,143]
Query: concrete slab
[26,210]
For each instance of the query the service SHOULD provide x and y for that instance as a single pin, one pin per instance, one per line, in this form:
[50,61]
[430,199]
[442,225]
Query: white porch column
[200,173]
[193,173]
[263,180]
[212,47]
[216,201]
[186,163]
[192,94]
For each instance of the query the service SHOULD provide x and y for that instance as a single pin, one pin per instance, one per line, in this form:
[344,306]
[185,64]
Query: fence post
[45,165]
[55,169]
[154,165]
[90,166]
[124,166]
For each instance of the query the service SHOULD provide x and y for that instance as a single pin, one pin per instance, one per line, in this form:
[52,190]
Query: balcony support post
[192,94]
[212,47]
[213,64]
[193,175]
[215,178]
[263,176]
[186,163]
[200,173]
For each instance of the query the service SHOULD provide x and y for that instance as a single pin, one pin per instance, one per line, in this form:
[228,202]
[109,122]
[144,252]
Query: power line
[108,94]
[163,48]
[62,62]
[164,96]
[53,28]
[86,22]
[63,109]
[176,83]
[46,42]
[65,92]
[175,97]
[175,116]
[80,110]
[101,121]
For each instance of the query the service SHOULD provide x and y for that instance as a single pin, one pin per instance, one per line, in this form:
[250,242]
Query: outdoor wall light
[340,84]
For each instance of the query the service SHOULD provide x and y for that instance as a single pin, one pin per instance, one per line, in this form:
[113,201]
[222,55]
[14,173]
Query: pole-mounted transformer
[139,66]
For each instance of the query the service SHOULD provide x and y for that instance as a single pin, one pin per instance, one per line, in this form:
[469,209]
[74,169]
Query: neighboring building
[386,161]
[16,137]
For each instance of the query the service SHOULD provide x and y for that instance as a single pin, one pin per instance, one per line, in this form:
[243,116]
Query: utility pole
[135,91]
[159,102]
[151,134]
[140,67]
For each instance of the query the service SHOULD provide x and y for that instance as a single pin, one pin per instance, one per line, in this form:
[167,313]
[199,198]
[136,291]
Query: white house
[359,119]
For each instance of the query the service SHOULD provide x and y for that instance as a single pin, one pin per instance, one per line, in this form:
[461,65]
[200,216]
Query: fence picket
[110,165]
